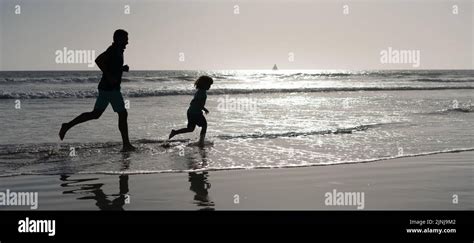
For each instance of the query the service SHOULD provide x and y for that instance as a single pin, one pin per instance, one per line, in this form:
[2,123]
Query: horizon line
[142,70]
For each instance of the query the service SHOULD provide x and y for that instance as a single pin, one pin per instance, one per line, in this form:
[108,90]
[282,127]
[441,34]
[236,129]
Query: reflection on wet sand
[101,198]
[199,181]
[85,189]
[103,201]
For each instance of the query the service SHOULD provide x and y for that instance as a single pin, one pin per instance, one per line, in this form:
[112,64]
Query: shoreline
[152,172]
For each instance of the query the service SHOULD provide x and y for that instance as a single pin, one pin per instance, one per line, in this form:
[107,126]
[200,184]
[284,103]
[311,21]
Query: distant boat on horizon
[275,67]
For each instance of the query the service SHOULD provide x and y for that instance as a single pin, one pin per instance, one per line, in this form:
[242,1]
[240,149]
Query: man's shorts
[113,97]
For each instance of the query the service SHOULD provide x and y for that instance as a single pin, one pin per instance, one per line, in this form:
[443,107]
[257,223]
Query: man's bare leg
[87,116]
[123,127]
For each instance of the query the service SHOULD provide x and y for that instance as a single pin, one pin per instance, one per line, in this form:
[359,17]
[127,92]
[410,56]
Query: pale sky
[264,32]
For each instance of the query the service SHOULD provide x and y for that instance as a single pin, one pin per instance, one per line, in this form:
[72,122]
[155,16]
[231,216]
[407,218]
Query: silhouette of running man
[111,64]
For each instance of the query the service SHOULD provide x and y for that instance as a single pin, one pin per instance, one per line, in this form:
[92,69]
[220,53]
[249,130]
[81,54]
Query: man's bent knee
[95,114]
[191,128]
[123,114]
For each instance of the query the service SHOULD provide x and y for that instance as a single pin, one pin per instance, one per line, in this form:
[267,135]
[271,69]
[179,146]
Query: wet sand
[413,183]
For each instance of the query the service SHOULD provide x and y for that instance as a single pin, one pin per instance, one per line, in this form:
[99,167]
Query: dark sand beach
[412,183]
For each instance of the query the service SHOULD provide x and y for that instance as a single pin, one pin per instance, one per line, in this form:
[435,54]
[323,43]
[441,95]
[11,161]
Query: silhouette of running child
[194,114]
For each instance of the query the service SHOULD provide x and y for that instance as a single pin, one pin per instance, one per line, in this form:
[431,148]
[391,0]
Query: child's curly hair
[203,82]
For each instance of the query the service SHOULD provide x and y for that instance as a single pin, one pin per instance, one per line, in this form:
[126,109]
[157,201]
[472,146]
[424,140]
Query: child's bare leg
[173,133]
[202,135]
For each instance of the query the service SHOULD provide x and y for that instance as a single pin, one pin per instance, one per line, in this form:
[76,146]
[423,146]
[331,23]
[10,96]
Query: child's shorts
[196,119]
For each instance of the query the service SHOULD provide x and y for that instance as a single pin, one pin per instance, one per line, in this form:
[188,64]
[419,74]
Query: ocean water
[257,119]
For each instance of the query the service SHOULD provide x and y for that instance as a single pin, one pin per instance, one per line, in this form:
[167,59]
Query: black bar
[239,225]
